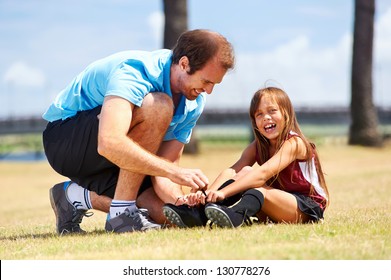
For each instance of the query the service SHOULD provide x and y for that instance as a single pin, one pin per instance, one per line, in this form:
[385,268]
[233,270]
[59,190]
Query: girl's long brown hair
[291,124]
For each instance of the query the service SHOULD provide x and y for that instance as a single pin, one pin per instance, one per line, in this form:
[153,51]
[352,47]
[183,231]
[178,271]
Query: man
[126,116]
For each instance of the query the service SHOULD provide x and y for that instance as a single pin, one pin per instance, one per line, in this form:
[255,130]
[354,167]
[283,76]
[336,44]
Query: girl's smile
[269,118]
[270,127]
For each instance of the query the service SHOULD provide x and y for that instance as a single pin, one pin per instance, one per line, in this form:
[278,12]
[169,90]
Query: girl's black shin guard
[252,201]
[232,199]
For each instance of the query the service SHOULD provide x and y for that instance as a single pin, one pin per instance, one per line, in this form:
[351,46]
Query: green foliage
[20,143]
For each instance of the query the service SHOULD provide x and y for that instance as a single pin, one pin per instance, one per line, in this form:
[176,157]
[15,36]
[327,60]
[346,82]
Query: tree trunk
[175,24]
[364,127]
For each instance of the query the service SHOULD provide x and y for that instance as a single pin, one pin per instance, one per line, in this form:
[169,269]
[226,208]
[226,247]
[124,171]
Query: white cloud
[22,91]
[311,76]
[382,59]
[316,11]
[51,51]
[21,74]
[156,23]
[383,36]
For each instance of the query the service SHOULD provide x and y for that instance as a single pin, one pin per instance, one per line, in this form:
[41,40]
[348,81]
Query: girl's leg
[278,205]
[250,204]
[281,206]
[229,201]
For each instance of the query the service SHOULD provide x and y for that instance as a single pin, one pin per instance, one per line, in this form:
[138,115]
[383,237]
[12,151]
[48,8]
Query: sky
[302,46]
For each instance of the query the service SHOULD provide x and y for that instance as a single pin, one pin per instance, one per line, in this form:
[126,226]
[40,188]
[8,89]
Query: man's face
[200,81]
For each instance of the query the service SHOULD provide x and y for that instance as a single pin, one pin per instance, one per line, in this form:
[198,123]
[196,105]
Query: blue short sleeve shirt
[130,75]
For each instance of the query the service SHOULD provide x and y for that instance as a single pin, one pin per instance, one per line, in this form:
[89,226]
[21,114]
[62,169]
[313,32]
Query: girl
[287,184]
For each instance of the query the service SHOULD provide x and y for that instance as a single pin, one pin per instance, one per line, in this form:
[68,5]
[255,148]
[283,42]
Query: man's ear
[184,63]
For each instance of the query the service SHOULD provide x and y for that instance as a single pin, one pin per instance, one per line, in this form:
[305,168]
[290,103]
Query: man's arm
[115,142]
[167,190]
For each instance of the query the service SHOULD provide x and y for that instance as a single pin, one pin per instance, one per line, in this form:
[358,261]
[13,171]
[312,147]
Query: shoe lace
[142,216]
[246,219]
[78,215]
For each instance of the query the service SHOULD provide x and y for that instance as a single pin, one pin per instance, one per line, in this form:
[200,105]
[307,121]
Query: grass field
[357,224]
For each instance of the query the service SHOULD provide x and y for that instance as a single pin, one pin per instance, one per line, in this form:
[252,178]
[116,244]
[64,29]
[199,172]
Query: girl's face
[269,119]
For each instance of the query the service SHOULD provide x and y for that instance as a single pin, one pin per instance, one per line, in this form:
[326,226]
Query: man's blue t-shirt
[130,75]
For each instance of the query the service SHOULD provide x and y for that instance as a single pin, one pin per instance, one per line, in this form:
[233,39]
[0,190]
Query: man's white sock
[117,207]
[78,196]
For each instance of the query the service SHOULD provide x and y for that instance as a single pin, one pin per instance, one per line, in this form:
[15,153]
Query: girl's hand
[180,200]
[214,196]
[194,198]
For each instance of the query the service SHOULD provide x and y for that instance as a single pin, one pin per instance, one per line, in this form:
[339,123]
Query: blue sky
[303,46]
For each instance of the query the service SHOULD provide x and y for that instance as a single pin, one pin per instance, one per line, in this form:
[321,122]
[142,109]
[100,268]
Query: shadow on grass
[50,235]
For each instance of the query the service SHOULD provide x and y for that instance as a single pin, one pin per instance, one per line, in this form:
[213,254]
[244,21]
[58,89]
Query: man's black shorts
[71,147]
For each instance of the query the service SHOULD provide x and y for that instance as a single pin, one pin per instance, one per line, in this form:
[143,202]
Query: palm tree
[364,127]
[175,23]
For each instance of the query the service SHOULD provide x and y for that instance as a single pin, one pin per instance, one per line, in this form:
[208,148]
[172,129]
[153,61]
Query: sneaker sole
[218,217]
[53,204]
[173,217]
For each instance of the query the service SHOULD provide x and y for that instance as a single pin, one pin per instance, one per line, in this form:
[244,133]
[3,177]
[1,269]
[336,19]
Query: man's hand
[193,178]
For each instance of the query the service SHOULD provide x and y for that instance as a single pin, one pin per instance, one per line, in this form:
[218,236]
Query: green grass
[357,224]
[367,237]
